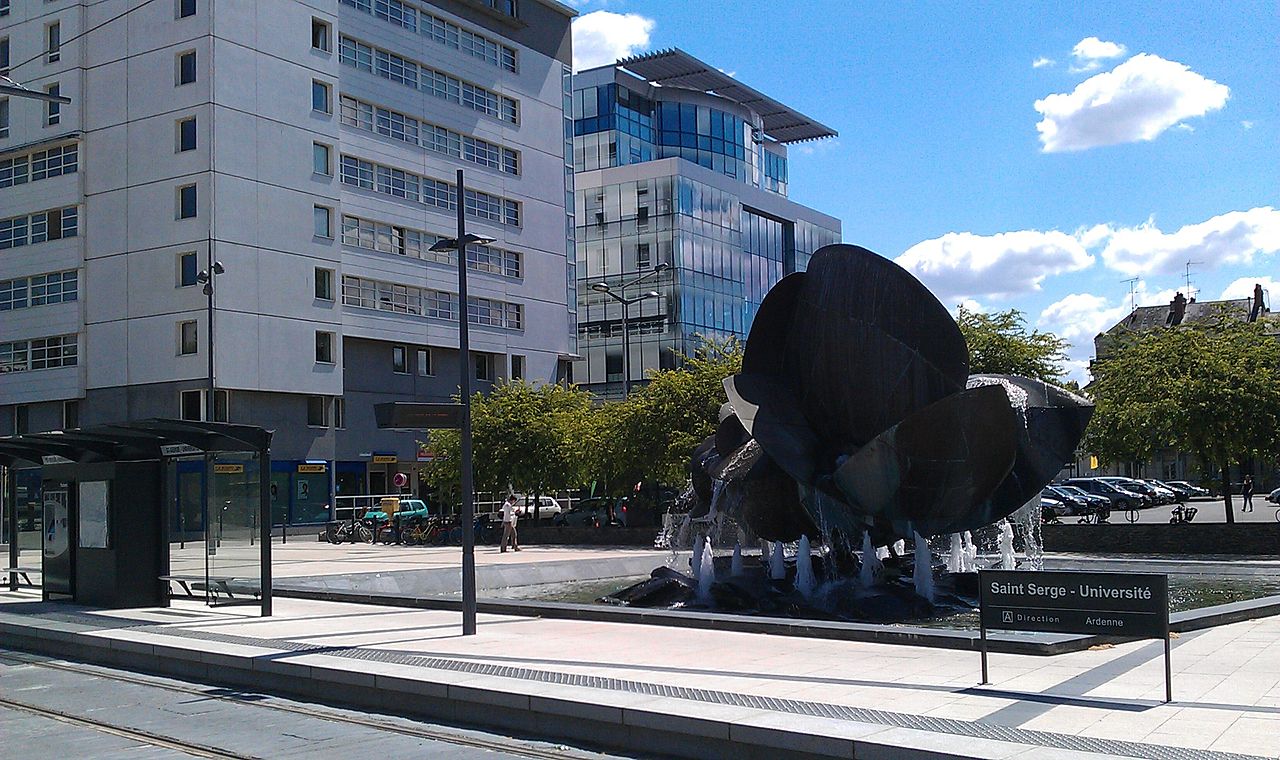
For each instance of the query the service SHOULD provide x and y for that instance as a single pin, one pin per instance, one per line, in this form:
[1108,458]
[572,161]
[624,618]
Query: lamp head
[217,267]
[470,239]
[444,244]
[600,287]
[651,294]
[661,267]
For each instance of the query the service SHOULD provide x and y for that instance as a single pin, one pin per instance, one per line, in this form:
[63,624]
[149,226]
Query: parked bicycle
[348,531]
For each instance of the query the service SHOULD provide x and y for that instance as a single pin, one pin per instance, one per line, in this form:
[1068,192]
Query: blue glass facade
[615,126]
[724,257]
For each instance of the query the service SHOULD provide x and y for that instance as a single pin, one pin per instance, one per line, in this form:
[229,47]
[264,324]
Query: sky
[1034,156]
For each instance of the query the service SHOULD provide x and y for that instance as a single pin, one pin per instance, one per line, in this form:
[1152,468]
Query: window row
[364,293]
[398,126]
[40,353]
[39,165]
[318,411]
[442,31]
[431,192]
[28,229]
[400,361]
[22,415]
[387,238]
[39,290]
[422,77]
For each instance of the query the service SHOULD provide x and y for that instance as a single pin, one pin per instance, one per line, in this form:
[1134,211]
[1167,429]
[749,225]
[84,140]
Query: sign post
[1132,605]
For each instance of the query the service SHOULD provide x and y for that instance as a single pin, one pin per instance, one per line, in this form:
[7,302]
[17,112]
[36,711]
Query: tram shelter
[104,499]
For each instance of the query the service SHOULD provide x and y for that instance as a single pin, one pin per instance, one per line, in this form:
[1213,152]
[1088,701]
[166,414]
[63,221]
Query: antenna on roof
[1187,276]
[1133,293]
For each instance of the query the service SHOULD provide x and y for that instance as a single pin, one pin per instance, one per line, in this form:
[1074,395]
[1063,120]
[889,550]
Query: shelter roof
[676,68]
[131,441]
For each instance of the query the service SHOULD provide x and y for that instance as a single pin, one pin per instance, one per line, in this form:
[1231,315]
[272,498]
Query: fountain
[707,574]
[1007,560]
[695,561]
[777,566]
[855,416]
[805,582]
[735,569]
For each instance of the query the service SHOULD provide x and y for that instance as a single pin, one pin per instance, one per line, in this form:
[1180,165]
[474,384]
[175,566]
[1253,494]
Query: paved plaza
[672,689]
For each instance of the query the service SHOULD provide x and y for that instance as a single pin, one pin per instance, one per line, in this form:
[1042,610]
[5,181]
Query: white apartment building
[309,147]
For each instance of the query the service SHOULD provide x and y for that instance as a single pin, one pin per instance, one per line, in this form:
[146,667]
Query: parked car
[1170,495]
[1274,496]
[548,507]
[1071,504]
[1051,509]
[597,512]
[1148,494]
[1119,498]
[1196,492]
[1095,502]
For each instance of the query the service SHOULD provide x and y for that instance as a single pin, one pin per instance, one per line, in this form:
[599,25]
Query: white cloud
[1091,51]
[602,37]
[1247,124]
[1243,288]
[1135,101]
[1079,317]
[1041,62]
[965,265]
[1236,237]
[1184,127]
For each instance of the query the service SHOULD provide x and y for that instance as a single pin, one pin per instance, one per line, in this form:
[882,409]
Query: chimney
[1257,307]
[1177,310]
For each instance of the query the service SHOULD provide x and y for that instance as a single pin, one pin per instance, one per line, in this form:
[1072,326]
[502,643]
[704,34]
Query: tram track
[253,699]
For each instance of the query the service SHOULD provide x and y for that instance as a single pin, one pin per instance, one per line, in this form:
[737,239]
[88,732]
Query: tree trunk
[1226,492]
[537,505]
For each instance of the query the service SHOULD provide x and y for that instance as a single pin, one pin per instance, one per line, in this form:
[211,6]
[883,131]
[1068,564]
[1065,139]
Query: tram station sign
[1117,604]
[1130,605]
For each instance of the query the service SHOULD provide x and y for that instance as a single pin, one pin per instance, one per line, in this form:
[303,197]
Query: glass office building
[678,164]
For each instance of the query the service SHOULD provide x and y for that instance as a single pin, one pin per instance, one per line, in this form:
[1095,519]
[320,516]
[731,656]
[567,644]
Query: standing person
[509,516]
[1247,492]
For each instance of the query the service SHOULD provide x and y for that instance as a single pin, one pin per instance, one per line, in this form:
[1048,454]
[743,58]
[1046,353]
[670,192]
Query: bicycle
[348,532]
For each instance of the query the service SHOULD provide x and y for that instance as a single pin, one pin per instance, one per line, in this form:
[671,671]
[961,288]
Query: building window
[186,8]
[324,347]
[4,7]
[21,420]
[221,406]
[70,415]
[53,109]
[53,42]
[191,405]
[324,284]
[339,412]
[399,360]
[484,366]
[321,97]
[4,56]
[517,367]
[322,159]
[317,411]
[4,117]
[186,134]
[186,67]
[424,362]
[323,220]
[187,342]
[320,35]
[188,268]
[187,202]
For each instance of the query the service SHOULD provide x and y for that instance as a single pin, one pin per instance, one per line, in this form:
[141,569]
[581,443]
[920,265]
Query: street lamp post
[467,485]
[619,296]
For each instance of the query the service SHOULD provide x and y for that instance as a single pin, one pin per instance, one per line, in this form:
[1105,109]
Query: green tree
[525,437]
[1212,389]
[1000,343]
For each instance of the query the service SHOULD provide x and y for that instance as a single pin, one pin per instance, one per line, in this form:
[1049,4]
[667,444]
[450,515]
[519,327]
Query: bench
[24,572]
[192,583]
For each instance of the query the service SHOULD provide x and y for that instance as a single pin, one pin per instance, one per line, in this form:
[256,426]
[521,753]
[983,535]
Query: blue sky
[1016,155]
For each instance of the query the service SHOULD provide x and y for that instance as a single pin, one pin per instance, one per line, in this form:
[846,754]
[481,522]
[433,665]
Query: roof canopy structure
[676,68]
[132,441]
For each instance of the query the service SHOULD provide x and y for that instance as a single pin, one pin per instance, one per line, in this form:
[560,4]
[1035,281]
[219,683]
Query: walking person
[509,516]
[1247,492]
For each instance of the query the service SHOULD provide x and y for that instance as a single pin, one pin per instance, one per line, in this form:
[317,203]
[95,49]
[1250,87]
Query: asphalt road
[54,710]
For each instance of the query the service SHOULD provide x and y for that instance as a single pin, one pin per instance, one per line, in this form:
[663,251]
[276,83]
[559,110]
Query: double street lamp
[620,296]
[460,244]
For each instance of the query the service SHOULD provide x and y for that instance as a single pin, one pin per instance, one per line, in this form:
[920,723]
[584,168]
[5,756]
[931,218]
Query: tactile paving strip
[951,726]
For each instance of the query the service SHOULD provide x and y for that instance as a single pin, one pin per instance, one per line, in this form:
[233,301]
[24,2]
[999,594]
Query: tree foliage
[538,439]
[1000,343]
[1212,389]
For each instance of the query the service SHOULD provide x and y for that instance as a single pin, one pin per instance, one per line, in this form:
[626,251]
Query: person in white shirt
[510,513]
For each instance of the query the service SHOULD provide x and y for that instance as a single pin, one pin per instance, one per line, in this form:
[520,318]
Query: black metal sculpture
[855,412]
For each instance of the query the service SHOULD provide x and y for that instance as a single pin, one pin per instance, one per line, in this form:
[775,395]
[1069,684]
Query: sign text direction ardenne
[1118,604]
